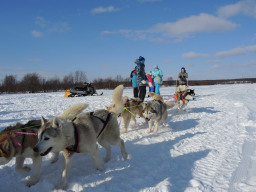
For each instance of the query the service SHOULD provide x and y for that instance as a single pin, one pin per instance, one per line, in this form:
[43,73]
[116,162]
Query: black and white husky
[182,98]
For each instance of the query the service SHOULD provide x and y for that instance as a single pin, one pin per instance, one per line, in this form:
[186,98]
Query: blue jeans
[157,86]
[151,89]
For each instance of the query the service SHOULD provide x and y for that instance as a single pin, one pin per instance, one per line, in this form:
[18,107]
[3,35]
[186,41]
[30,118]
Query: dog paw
[61,186]
[54,159]
[31,183]
[106,159]
[125,156]
[100,168]
[124,131]
[149,131]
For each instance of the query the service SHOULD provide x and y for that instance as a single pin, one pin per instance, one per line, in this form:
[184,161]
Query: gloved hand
[143,82]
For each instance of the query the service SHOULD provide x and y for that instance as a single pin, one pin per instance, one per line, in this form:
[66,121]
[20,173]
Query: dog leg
[55,157]
[96,159]
[122,147]
[36,169]
[19,165]
[134,120]
[66,167]
[127,120]
[156,127]
[107,146]
[149,126]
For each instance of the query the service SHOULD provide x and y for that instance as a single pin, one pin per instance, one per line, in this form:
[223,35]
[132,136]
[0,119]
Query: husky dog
[155,96]
[117,101]
[182,98]
[81,135]
[132,107]
[156,110]
[13,144]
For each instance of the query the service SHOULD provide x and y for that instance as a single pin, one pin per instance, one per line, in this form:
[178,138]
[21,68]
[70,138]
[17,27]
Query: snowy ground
[210,147]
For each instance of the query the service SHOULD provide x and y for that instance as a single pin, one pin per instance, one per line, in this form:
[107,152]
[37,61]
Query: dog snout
[35,149]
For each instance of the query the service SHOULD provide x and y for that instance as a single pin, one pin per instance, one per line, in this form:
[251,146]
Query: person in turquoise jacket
[157,72]
[134,83]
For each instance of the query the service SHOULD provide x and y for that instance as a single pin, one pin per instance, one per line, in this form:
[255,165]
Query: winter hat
[155,66]
[183,68]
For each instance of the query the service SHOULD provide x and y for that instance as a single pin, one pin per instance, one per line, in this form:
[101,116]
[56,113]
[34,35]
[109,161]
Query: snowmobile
[85,90]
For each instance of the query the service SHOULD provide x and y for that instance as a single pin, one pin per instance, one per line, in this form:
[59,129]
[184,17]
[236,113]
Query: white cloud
[41,21]
[215,67]
[251,48]
[37,33]
[49,27]
[177,31]
[236,51]
[104,9]
[190,55]
[203,23]
[244,64]
[246,7]
[59,27]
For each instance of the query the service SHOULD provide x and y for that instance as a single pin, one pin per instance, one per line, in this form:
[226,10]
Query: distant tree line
[34,83]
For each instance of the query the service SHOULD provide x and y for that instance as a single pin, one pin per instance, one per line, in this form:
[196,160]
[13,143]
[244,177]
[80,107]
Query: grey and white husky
[10,141]
[156,110]
[80,135]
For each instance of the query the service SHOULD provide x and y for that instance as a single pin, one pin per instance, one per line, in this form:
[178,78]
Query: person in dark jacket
[134,83]
[141,77]
[183,82]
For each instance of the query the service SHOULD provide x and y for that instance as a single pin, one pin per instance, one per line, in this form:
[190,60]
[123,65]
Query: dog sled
[86,90]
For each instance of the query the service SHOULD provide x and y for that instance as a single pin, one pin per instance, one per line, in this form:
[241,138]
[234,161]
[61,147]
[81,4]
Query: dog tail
[169,104]
[73,111]
[117,103]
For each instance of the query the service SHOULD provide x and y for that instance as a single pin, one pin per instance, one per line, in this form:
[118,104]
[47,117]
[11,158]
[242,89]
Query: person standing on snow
[134,83]
[183,82]
[141,77]
[150,82]
[158,76]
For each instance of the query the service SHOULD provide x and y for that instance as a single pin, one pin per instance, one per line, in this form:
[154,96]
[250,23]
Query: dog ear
[56,122]
[5,148]
[43,120]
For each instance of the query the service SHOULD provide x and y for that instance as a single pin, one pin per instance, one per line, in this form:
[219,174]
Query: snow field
[209,147]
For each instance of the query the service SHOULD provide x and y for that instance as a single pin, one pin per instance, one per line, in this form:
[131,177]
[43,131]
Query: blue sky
[212,39]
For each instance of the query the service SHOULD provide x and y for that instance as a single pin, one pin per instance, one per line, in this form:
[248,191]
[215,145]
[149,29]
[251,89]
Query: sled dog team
[77,132]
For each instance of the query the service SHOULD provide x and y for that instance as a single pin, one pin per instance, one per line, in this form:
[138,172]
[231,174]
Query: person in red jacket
[150,82]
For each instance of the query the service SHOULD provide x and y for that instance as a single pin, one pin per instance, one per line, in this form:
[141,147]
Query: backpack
[158,80]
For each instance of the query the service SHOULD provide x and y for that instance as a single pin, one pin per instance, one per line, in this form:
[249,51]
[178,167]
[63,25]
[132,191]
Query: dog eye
[46,138]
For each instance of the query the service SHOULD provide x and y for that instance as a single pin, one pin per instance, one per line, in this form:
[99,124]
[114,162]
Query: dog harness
[177,96]
[74,148]
[105,122]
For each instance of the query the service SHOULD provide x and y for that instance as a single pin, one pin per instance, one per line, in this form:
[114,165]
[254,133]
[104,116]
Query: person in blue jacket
[157,73]
[134,83]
